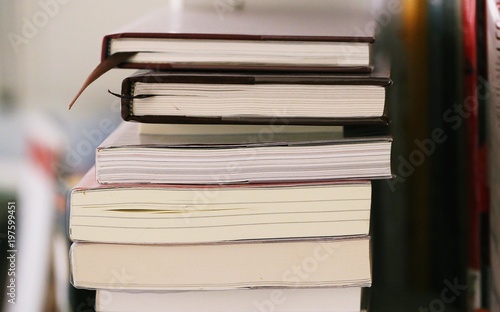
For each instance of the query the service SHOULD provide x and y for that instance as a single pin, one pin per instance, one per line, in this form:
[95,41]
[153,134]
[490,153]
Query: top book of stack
[324,35]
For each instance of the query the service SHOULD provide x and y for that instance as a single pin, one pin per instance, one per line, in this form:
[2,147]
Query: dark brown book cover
[379,77]
[347,27]
[322,21]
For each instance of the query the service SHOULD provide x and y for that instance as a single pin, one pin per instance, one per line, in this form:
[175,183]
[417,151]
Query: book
[474,198]
[156,214]
[474,30]
[319,35]
[289,98]
[283,264]
[493,135]
[340,299]
[127,156]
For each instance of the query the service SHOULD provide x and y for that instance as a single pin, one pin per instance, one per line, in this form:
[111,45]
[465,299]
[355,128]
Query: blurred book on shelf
[493,113]
[32,225]
[478,200]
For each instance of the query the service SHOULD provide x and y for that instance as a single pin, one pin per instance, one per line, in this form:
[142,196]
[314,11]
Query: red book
[478,196]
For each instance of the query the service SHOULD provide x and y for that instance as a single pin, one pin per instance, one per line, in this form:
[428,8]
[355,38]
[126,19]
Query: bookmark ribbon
[130,97]
[110,62]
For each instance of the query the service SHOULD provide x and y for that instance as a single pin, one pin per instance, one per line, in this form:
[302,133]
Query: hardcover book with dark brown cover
[319,35]
[256,97]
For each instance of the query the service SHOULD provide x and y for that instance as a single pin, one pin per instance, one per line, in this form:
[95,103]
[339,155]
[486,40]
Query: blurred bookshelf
[422,214]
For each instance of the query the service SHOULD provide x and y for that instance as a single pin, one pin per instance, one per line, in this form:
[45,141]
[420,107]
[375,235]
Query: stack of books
[240,178]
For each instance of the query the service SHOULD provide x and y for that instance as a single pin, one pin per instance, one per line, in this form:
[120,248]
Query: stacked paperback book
[240,179]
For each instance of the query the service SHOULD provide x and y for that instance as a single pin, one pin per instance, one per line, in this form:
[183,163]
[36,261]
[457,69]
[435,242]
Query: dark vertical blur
[418,218]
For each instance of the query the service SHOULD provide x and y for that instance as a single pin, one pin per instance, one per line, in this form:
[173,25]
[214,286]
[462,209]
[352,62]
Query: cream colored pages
[339,299]
[168,215]
[283,101]
[126,156]
[307,263]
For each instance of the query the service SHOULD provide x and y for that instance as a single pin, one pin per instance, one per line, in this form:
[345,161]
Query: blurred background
[420,221]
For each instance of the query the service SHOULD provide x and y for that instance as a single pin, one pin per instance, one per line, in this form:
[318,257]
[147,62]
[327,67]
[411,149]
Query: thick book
[156,214]
[258,97]
[319,35]
[282,264]
[339,299]
[127,156]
